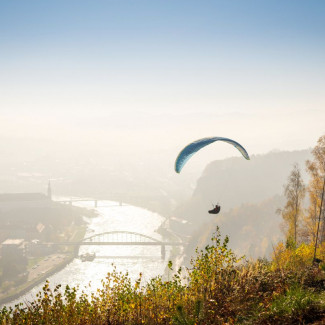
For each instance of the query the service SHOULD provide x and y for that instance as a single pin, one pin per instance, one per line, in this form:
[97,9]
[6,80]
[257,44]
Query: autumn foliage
[218,288]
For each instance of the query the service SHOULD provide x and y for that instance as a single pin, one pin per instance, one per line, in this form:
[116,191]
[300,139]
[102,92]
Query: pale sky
[151,76]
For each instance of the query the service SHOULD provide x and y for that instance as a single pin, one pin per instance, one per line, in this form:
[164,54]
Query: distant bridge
[70,201]
[119,238]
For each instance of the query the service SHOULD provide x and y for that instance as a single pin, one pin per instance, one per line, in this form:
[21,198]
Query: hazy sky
[154,75]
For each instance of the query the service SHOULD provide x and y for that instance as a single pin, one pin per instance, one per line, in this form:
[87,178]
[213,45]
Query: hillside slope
[249,193]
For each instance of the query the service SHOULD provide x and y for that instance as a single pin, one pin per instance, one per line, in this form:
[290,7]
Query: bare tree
[316,168]
[295,192]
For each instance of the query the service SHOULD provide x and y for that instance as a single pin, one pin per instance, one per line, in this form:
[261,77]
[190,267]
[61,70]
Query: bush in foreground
[218,288]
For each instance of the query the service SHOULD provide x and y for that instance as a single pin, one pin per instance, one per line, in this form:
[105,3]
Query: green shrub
[296,306]
[216,289]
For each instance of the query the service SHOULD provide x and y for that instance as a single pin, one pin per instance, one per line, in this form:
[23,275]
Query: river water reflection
[131,259]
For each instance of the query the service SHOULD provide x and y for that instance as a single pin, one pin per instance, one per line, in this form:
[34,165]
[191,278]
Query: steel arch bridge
[122,237]
[119,238]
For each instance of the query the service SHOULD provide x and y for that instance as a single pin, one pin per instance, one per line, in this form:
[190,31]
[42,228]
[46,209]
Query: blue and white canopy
[195,146]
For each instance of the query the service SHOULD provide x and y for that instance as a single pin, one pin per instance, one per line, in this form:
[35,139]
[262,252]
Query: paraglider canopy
[195,146]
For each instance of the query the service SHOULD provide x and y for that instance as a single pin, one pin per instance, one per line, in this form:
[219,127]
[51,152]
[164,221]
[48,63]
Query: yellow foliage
[217,290]
[291,258]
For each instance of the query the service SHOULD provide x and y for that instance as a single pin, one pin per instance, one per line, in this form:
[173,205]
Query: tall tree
[313,215]
[316,169]
[295,192]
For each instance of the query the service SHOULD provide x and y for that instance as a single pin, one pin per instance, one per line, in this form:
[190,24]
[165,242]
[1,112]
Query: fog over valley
[162,162]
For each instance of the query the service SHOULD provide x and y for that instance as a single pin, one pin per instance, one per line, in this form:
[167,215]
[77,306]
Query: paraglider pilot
[215,210]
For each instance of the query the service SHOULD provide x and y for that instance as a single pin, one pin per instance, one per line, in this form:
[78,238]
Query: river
[131,259]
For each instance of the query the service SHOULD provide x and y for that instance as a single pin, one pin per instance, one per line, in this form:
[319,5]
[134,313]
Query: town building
[13,258]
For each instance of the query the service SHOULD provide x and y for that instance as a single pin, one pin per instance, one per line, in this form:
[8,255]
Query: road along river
[131,259]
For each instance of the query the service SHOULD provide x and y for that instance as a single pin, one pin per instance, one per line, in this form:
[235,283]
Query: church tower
[49,191]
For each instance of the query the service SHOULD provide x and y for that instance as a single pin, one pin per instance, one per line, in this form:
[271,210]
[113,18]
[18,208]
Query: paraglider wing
[195,146]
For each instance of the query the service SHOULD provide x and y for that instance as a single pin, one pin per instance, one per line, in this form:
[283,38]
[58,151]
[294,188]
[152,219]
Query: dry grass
[215,290]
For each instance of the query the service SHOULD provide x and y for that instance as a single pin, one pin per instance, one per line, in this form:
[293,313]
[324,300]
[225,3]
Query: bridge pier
[163,251]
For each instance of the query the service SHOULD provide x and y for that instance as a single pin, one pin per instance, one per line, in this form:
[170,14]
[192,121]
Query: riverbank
[217,289]
[176,255]
[15,293]
[110,218]
[47,267]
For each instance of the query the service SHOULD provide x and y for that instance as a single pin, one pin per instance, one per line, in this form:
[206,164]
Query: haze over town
[97,98]
[142,79]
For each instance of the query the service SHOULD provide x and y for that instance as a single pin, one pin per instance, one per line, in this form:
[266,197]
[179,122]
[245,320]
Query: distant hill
[249,193]
[236,181]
